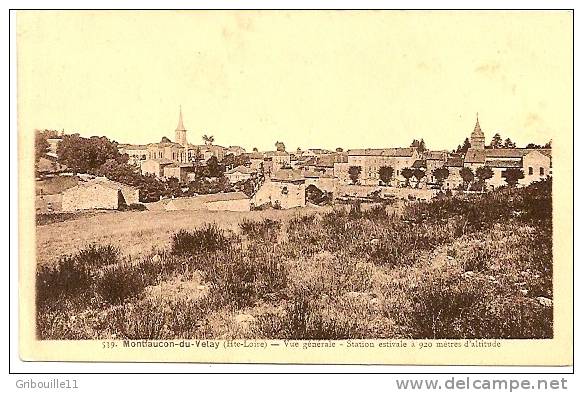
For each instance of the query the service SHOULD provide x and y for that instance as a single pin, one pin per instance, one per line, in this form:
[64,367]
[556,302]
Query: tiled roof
[504,164]
[241,169]
[289,175]
[389,152]
[435,155]
[474,156]
[514,153]
[454,162]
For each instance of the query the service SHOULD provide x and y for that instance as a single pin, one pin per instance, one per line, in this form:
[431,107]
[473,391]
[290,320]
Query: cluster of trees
[497,143]
[419,145]
[473,181]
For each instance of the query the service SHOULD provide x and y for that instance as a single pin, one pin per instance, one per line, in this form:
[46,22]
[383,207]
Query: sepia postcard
[300,187]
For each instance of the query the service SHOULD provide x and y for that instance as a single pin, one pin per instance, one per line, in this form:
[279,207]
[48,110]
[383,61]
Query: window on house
[284,191]
[530,170]
[542,171]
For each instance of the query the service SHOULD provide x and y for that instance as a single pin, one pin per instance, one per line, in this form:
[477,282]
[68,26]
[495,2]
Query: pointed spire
[477,128]
[180,126]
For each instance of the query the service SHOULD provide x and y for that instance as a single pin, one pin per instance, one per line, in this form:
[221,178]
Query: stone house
[286,188]
[155,166]
[239,173]
[280,159]
[99,193]
[178,170]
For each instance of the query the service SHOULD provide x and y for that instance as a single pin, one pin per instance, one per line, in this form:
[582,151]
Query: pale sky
[309,79]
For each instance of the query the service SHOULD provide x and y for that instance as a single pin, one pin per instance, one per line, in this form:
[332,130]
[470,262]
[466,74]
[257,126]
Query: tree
[463,149]
[41,146]
[339,150]
[386,174]
[496,142]
[467,176]
[208,139]
[512,176]
[440,174]
[279,146]
[484,173]
[533,146]
[354,173]
[231,161]
[419,174]
[213,167]
[407,173]
[255,150]
[508,144]
[86,155]
[421,148]
[165,140]
[549,144]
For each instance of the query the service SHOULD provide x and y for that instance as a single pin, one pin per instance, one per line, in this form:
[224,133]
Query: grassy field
[472,267]
[136,233]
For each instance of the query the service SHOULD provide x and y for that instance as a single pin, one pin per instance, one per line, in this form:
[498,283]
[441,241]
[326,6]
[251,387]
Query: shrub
[95,256]
[123,281]
[144,320]
[136,207]
[265,229]
[207,239]
[69,278]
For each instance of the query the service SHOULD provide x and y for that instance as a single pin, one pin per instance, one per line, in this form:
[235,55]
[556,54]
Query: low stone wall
[360,191]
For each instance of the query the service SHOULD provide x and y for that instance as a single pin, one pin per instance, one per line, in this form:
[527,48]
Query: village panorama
[176,239]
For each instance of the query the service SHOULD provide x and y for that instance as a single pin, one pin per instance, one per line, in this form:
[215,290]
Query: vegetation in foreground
[477,267]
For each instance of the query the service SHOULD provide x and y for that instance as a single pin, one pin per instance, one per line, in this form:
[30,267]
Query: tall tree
[41,146]
[213,167]
[279,146]
[407,173]
[419,174]
[484,173]
[496,142]
[386,174]
[440,174]
[508,144]
[421,148]
[463,149]
[512,176]
[354,173]
[467,176]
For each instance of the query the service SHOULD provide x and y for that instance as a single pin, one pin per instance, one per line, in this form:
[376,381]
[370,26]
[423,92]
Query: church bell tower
[477,140]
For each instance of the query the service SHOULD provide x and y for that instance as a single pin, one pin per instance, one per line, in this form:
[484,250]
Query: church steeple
[180,126]
[180,133]
[477,139]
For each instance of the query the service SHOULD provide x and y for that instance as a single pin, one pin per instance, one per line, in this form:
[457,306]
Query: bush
[265,229]
[135,207]
[95,256]
[143,320]
[207,239]
[68,279]
[123,281]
